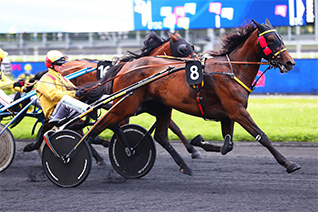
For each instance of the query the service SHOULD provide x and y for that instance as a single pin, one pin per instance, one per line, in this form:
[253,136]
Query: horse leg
[195,154]
[246,121]
[227,126]
[36,145]
[161,136]
[227,132]
[208,147]
[154,108]
[99,160]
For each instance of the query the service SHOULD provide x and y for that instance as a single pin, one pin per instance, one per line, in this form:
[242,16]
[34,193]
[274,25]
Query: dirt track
[247,179]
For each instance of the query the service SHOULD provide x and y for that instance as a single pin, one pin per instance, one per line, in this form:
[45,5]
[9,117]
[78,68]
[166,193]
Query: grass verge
[282,119]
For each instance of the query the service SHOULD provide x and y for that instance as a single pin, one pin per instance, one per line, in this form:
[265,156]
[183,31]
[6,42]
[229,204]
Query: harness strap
[267,31]
[277,53]
[200,101]
[235,78]
[242,84]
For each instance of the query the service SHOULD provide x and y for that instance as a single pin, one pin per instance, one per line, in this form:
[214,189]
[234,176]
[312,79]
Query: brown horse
[228,77]
[175,46]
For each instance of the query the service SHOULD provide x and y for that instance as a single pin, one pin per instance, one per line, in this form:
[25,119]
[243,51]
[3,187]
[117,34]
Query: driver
[7,84]
[53,86]
[52,90]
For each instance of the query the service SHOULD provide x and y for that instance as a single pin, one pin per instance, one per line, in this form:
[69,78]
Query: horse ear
[268,23]
[259,26]
[177,34]
[173,38]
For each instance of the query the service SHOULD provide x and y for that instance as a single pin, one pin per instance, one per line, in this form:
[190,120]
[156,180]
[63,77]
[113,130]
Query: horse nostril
[290,63]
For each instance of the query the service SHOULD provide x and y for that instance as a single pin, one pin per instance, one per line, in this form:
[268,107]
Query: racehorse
[228,77]
[175,45]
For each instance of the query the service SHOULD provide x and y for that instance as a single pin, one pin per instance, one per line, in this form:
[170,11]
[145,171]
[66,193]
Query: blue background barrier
[198,14]
[303,79]
[20,68]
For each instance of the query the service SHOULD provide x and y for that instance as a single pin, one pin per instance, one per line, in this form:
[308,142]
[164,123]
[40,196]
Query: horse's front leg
[227,126]
[246,121]
[195,154]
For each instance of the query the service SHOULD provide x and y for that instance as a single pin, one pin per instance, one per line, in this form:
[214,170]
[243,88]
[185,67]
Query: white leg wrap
[258,137]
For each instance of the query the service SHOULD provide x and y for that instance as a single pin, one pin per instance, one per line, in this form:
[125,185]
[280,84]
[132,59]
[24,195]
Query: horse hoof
[185,170]
[227,146]
[29,148]
[292,167]
[196,141]
[196,155]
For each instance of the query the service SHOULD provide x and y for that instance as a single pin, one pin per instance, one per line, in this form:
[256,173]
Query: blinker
[267,51]
[263,44]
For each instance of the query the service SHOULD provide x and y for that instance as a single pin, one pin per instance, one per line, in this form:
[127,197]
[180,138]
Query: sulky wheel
[73,172]
[143,159]
[7,148]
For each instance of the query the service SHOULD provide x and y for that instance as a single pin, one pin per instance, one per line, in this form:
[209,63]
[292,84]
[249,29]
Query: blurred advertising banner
[201,14]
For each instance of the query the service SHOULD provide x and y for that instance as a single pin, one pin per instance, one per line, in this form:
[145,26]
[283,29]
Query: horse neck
[164,49]
[246,52]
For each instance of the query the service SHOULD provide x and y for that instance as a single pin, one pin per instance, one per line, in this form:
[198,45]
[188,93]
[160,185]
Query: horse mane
[151,42]
[233,40]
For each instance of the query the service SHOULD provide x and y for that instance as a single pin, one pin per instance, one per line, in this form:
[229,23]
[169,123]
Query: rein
[65,86]
[243,63]
[87,90]
[232,75]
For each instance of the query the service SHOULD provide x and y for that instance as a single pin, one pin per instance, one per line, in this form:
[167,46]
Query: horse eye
[270,39]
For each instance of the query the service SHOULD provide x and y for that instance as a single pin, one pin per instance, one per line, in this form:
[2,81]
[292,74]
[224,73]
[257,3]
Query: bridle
[267,50]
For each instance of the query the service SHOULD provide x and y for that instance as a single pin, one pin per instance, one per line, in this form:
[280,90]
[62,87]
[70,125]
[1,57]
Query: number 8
[194,75]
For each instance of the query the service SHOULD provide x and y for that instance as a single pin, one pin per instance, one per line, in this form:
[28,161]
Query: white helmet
[54,56]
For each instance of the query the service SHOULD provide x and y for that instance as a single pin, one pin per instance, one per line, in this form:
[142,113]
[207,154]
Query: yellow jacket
[50,90]
[7,84]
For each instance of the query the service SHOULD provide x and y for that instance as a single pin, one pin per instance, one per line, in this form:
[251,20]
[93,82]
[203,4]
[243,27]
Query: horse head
[272,48]
[180,48]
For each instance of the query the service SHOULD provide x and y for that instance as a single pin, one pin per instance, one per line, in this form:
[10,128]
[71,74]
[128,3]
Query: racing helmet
[54,57]
[3,54]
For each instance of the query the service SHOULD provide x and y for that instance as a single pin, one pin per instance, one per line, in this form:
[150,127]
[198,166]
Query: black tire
[74,172]
[142,161]
[7,148]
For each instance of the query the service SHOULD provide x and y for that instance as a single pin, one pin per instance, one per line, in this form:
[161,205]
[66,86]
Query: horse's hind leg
[154,108]
[195,154]
[161,136]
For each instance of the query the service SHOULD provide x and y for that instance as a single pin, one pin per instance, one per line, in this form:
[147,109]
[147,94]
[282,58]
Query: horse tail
[112,72]
[39,75]
[104,86]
